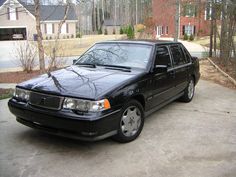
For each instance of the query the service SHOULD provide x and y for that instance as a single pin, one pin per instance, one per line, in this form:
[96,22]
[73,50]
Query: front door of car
[162,77]
[181,67]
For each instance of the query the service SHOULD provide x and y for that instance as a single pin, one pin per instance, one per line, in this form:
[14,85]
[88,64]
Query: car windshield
[117,54]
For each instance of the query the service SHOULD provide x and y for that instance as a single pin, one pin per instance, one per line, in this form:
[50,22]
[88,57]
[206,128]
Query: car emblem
[42,101]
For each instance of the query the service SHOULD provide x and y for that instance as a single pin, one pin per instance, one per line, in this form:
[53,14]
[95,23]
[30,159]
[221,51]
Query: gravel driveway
[181,140]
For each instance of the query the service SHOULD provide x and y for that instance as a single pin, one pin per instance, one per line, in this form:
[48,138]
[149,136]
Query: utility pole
[177,16]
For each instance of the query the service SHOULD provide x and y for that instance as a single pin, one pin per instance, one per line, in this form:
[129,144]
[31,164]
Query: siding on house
[24,20]
[164,16]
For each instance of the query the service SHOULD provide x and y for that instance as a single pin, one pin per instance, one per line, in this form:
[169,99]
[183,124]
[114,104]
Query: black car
[108,91]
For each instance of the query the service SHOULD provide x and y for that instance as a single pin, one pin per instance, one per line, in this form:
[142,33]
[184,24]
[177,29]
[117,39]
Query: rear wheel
[131,122]
[189,91]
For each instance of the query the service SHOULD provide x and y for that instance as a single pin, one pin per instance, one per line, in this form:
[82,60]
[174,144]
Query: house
[17,19]
[111,26]
[194,18]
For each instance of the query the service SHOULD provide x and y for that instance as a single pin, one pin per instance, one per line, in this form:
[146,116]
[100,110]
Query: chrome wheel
[130,121]
[190,89]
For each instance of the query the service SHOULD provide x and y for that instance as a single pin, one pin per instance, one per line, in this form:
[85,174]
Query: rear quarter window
[178,55]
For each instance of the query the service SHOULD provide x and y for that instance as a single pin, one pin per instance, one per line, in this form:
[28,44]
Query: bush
[68,37]
[105,32]
[114,31]
[100,31]
[185,37]
[140,27]
[130,32]
[72,36]
[121,30]
[26,54]
[78,35]
[125,29]
[191,38]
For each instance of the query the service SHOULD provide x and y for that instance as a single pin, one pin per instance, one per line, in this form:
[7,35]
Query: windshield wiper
[116,66]
[87,64]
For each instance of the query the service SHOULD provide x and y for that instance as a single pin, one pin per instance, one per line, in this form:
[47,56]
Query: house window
[189,10]
[160,30]
[167,30]
[64,28]
[12,12]
[49,28]
[189,30]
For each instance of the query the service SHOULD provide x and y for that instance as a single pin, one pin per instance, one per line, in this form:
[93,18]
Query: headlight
[86,105]
[21,94]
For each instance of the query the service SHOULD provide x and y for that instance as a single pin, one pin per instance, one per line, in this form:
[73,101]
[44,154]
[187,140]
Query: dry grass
[77,46]
[209,72]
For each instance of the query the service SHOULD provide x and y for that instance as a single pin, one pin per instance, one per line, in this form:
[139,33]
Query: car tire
[189,91]
[131,122]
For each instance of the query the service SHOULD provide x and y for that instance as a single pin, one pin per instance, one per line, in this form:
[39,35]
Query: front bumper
[65,123]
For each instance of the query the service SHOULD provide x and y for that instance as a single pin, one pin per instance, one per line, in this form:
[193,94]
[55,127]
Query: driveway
[181,140]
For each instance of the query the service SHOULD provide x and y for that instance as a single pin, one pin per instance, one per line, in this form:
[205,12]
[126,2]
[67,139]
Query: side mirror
[161,68]
[74,61]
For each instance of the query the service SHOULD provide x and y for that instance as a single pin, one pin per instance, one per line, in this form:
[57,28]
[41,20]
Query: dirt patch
[209,72]
[17,77]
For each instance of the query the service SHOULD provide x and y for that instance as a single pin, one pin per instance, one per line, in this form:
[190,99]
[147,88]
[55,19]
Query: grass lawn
[76,46]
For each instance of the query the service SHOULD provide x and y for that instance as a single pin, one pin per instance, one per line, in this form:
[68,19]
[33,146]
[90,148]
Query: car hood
[80,82]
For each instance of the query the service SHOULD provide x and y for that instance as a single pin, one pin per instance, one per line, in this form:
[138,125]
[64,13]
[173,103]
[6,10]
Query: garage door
[12,34]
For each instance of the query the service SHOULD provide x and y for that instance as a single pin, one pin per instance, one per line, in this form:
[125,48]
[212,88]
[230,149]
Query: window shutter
[8,13]
[45,28]
[67,28]
[183,30]
[53,28]
[17,17]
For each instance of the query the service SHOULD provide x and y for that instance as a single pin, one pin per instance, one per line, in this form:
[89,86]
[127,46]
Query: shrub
[105,31]
[72,36]
[130,32]
[78,35]
[185,37]
[125,29]
[100,31]
[114,31]
[140,27]
[50,37]
[121,30]
[26,54]
[68,37]
[191,38]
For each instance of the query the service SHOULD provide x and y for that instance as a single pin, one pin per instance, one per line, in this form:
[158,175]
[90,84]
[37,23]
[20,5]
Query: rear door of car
[181,66]
[162,82]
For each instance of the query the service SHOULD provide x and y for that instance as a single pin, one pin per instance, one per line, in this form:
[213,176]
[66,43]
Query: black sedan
[108,91]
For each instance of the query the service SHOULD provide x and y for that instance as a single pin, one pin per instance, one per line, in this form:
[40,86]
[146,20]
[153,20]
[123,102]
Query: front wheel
[131,122]
[189,91]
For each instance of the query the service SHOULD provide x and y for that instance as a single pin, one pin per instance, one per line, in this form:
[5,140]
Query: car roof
[145,42]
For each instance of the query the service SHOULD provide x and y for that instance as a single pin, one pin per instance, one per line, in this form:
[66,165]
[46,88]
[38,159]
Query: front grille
[45,101]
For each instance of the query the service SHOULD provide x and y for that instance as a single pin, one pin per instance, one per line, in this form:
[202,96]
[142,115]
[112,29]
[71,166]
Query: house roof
[1,2]
[53,12]
[49,12]
[110,22]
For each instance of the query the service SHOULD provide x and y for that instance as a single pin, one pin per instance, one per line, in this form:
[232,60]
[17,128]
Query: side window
[187,55]
[162,56]
[178,55]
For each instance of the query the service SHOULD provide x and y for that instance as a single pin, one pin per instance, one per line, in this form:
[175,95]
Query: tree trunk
[224,40]
[39,37]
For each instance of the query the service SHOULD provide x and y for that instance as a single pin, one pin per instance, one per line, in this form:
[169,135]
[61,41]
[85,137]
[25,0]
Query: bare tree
[39,36]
